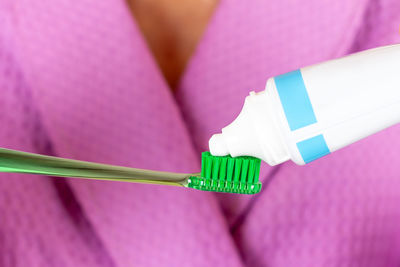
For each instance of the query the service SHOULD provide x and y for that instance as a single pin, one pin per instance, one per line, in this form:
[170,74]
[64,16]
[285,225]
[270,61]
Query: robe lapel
[246,43]
[103,99]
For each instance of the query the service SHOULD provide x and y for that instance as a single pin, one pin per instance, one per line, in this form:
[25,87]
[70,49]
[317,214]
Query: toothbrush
[218,174]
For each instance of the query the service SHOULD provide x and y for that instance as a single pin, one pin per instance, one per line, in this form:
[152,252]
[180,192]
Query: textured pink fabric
[77,80]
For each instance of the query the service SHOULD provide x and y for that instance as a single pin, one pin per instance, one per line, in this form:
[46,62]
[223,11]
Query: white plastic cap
[253,133]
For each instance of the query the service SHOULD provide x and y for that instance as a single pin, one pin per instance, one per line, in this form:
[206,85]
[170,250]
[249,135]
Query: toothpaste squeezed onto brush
[308,113]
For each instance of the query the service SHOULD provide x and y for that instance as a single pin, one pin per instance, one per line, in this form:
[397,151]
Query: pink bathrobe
[77,80]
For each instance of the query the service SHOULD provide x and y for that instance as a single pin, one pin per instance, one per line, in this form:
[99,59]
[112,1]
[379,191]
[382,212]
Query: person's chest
[172,29]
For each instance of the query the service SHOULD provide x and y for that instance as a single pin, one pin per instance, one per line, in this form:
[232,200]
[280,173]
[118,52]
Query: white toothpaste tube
[308,113]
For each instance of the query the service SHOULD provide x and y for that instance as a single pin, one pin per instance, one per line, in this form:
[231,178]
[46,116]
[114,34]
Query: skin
[172,29]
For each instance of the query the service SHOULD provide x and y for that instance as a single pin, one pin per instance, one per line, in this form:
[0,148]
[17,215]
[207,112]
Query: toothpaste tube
[308,113]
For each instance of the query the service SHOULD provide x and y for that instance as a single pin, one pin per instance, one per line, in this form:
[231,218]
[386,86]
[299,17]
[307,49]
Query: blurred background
[145,83]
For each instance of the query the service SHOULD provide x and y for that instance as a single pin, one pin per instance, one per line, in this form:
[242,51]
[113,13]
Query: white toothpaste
[308,113]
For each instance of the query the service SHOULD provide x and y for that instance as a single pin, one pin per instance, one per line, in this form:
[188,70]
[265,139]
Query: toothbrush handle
[24,162]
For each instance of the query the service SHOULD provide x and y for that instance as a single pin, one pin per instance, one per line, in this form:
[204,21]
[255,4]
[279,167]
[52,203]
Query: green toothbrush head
[227,174]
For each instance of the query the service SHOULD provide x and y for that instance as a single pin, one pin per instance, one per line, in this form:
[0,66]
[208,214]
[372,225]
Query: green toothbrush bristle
[227,174]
